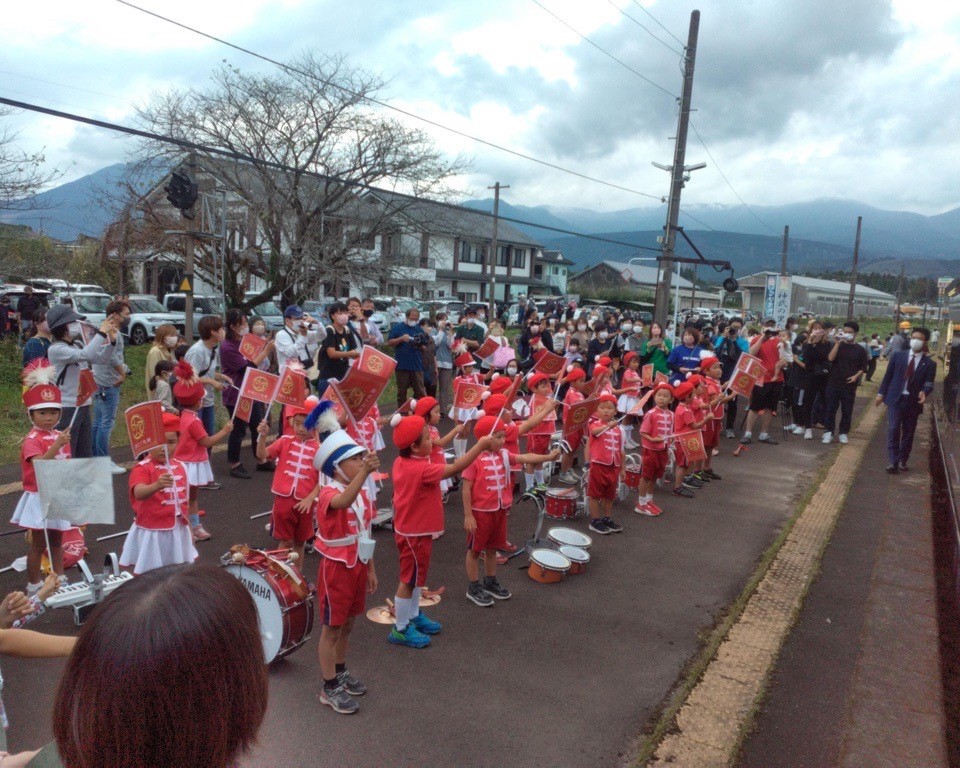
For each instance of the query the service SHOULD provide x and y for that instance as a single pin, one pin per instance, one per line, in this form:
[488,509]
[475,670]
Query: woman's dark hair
[180,351]
[234,316]
[337,306]
[168,670]
[62,333]
[160,368]
[39,316]
[693,332]
[116,307]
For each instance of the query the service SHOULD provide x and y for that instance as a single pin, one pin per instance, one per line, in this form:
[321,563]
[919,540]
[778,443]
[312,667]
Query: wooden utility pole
[678,174]
[896,321]
[492,260]
[190,246]
[783,251]
[853,272]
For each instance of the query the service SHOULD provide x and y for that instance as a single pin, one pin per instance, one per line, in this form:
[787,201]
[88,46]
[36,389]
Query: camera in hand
[420,340]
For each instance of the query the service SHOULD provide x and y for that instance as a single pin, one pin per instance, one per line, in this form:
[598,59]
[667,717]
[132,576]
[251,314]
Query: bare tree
[22,174]
[300,231]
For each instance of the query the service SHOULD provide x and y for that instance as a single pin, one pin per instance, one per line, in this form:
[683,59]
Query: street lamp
[676,299]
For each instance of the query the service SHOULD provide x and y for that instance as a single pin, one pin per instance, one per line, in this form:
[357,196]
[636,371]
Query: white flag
[78,490]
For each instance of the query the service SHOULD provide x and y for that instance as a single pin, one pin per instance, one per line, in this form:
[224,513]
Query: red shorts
[574,439]
[602,481]
[341,591]
[711,435]
[287,524]
[653,463]
[538,443]
[491,531]
[679,457]
[414,558]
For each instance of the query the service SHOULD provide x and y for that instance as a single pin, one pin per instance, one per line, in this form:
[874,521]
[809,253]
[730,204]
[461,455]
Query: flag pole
[353,421]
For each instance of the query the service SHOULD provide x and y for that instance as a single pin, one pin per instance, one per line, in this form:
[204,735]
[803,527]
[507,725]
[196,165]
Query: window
[470,253]
[391,244]
[503,255]
[520,258]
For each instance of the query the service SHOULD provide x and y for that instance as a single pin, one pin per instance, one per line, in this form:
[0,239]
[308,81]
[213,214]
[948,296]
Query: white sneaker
[116,469]
[808,434]
[798,430]
[843,439]
[827,437]
[789,427]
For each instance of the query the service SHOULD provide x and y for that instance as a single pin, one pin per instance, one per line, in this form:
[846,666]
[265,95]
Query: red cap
[408,431]
[695,379]
[663,385]
[188,390]
[537,379]
[171,423]
[424,406]
[628,357]
[576,374]
[303,410]
[605,361]
[486,425]
[708,362]
[494,404]
[600,370]
[464,360]
[42,396]
[684,390]
[608,398]
[500,385]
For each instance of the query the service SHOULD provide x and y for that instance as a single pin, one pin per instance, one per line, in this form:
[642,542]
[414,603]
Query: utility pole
[896,321]
[679,174]
[853,272]
[190,247]
[492,260]
[783,251]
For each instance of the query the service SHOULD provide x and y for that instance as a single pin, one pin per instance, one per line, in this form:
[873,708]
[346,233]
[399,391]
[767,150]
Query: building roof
[639,274]
[831,286]
[478,277]
[552,257]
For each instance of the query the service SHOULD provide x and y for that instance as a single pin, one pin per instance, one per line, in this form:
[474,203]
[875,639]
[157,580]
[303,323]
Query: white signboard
[781,300]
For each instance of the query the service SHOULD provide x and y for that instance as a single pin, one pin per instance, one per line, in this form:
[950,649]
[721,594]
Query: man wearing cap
[299,337]
[898,342]
[404,338]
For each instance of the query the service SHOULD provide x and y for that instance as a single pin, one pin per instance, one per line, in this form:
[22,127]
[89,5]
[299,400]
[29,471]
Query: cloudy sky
[795,100]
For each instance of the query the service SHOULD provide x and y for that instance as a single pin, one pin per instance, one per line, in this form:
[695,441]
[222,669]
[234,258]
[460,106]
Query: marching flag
[742,383]
[549,363]
[86,386]
[752,365]
[592,388]
[637,410]
[145,426]
[251,345]
[691,443]
[487,349]
[661,376]
[646,375]
[78,490]
[576,416]
[292,387]
[374,362]
[259,385]
[468,395]
[360,390]
[243,410]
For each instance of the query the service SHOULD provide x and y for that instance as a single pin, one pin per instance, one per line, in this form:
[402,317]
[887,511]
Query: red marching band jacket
[294,475]
[338,529]
[158,512]
[608,447]
[492,484]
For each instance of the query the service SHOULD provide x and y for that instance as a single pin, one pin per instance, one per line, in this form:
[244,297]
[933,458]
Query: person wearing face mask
[164,342]
[599,345]
[469,331]
[69,356]
[38,344]
[443,340]
[339,347]
[535,329]
[204,357]
[684,359]
[848,364]
[360,314]
[906,385]
[109,377]
[406,338]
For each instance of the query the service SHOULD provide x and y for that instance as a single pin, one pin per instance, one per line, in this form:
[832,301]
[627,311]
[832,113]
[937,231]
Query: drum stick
[73,418]
[112,536]
[261,514]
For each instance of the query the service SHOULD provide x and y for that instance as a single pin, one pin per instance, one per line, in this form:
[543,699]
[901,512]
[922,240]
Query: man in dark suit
[904,389]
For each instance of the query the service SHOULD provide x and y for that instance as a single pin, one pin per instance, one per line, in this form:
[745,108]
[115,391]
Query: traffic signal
[182,192]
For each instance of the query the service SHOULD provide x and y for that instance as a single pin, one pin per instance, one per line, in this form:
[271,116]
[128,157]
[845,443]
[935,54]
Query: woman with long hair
[165,340]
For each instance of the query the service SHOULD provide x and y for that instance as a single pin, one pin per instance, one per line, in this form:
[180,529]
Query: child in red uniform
[417,518]
[538,438]
[347,573]
[629,396]
[605,444]
[687,418]
[464,361]
[716,401]
[487,497]
[656,427]
[160,534]
[194,440]
[576,378]
[294,480]
[43,441]
[428,409]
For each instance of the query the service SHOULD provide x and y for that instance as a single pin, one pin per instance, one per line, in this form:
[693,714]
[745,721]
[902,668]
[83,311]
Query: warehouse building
[821,297]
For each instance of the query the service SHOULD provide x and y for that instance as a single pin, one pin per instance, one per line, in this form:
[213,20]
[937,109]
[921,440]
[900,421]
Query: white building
[827,298]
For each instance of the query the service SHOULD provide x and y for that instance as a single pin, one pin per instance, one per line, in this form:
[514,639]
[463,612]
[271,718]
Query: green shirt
[657,356]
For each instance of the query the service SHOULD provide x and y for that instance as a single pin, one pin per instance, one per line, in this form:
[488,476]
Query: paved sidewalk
[858,681]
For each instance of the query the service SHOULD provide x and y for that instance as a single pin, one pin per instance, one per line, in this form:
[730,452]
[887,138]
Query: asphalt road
[561,675]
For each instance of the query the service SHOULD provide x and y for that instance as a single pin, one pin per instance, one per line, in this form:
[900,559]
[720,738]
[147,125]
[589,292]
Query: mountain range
[822,232]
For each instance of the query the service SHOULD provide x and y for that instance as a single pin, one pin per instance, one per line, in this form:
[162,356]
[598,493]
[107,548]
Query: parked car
[146,313]
[93,306]
[85,288]
[15,292]
[202,305]
[270,313]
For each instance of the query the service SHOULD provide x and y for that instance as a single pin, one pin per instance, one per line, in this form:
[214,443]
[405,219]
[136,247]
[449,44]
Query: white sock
[459,447]
[402,607]
[648,498]
[538,476]
[625,431]
[415,602]
[748,433]
[763,435]
[528,481]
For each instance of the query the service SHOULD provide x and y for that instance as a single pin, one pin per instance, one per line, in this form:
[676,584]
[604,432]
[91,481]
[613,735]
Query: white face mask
[534,329]
[511,370]
[916,344]
[75,330]
[471,320]
[170,341]
[626,327]
[603,335]
[341,318]
[582,327]
[412,323]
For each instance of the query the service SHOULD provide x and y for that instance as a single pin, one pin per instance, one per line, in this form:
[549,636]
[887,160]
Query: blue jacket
[891,388]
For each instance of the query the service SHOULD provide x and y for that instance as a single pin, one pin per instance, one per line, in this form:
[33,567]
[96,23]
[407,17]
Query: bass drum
[284,602]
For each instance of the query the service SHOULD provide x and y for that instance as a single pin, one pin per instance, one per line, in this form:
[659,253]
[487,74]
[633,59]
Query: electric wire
[646,29]
[655,19]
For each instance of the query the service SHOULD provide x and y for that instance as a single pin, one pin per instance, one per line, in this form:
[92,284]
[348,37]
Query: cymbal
[381,615]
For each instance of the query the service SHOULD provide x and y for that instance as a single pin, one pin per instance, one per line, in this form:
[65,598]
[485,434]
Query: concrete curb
[711,722]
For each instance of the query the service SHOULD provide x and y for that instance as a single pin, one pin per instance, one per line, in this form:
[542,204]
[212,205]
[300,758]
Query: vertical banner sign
[770,295]
[781,300]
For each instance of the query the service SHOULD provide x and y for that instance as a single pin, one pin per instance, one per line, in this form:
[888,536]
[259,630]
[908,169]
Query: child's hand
[15,606]
[486,442]
[62,439]
[303,506]
[371,462]
[371,581]
[227,428]
[263,428]
[50,585]
[165,480]
[469,523]
[553,455]
[462,429]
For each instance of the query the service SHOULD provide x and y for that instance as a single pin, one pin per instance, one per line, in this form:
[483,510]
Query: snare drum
[547,566]
[578,558]
[567,537]
[283,598]
[561,503]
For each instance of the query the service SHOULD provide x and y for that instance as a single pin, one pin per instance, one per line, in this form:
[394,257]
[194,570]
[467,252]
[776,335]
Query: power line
[194,146]
[645,29]
[694,218]
[63,85]
[723,175]
[602,50]
[636,3]
[387,105]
